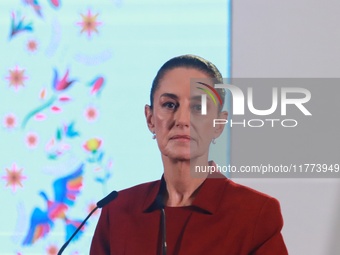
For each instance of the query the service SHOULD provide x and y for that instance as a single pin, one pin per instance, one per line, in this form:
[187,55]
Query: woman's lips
[181,138]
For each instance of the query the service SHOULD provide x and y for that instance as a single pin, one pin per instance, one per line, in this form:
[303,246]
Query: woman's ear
[219,128]
[149,118]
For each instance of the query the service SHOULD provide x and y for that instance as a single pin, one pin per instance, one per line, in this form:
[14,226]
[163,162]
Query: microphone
[161,206]
[164,244]
[107,199]
[100,204]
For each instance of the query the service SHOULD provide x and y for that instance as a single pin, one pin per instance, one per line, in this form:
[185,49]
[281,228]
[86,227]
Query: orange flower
[92,145]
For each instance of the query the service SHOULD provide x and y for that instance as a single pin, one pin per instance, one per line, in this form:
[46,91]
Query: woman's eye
[197,107]
[170,105]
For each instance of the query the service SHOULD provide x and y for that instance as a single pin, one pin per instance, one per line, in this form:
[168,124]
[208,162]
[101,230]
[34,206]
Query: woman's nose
[182,116]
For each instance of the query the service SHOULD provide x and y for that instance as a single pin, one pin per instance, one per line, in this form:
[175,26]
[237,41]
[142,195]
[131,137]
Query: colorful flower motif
[58,85]
[52,250]
[35,5]
[19,26]
[63,84]
[56,149]
[14,177]
[104,172]
[32,45]
[64,99]
[55,109]
[42,94]
[91,113]
[69,130]
[40,117]
[37,111]
[57,146]
[92,145]
[89,23]
[10,121]
[97,85]
[50,145]
[16,77]
[32,140]
[55,3]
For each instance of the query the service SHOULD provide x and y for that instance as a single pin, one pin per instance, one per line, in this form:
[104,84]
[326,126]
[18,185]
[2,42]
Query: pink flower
[63,84]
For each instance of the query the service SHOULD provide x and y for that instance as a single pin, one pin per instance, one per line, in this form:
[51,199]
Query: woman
[183,213]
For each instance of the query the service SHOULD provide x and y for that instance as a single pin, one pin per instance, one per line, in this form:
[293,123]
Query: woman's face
[182,132]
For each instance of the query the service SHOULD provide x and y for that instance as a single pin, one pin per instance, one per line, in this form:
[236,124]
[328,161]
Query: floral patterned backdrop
[74,79]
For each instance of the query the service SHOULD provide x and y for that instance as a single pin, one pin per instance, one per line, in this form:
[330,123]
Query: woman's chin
[181,154]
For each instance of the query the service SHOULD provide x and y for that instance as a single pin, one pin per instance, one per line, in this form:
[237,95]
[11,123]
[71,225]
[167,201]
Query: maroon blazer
[225,219]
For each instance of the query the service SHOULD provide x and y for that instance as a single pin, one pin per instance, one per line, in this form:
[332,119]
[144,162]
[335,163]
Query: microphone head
[107,199]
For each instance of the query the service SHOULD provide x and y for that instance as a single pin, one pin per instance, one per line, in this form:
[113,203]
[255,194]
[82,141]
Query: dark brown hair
[188,61]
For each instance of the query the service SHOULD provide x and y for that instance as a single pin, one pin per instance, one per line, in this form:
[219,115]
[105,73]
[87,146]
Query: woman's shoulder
[135,196]
[246,196]
[244,190]
[231,190]
[140,189]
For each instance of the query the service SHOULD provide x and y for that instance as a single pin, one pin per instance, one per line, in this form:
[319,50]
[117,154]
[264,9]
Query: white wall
[293,39]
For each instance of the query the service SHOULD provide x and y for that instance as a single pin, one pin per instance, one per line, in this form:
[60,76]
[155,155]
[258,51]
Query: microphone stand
[164,245]
[74,234]
[113,195]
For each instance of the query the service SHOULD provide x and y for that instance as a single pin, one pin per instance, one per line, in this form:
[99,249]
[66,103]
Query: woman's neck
[181,184]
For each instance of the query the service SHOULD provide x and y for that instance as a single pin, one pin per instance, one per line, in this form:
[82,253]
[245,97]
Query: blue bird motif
[66,190]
